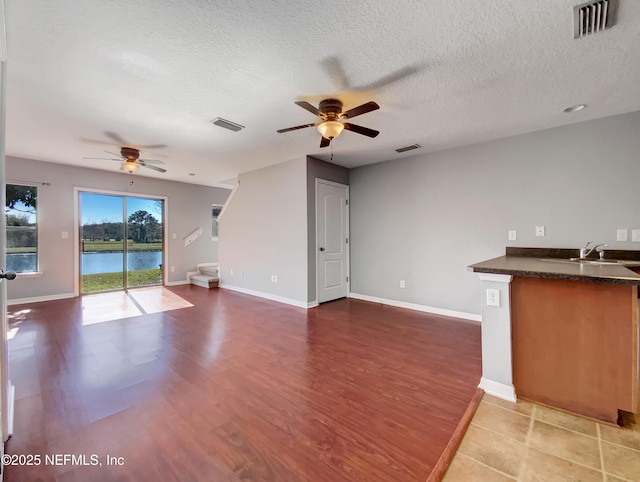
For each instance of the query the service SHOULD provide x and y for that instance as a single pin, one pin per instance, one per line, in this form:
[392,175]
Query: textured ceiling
[445,73]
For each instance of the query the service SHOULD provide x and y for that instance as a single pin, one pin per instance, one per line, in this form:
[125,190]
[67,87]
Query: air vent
[409,148]
[232,126]
[593,17]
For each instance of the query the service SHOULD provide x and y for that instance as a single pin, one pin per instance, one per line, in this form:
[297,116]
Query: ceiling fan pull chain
[331,144]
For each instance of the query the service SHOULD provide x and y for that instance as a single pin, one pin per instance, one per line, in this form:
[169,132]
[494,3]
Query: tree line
[143,228]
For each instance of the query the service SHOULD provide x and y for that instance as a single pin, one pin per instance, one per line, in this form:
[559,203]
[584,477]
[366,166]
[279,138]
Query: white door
[6,391]
[332,240]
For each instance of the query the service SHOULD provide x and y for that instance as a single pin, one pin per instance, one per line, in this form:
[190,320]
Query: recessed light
[575,108]
[192,173]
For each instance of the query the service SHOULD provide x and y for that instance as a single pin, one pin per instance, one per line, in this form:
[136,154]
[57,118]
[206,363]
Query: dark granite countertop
[540,264]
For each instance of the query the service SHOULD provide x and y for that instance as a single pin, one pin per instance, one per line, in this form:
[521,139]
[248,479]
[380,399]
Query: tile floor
[528,442]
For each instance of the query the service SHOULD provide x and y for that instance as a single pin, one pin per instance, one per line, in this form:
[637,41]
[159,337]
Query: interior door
[6,389]
[332,240]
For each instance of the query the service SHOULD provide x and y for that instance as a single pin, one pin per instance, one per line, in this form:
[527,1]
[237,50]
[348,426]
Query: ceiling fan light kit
[130,166]
[331,113]
[330,129]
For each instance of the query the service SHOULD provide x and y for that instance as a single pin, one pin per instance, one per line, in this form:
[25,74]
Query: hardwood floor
[239,388]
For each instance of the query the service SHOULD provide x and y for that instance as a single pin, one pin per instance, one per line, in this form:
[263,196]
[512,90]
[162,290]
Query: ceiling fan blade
[153,146]
[361,109]
[113,153]
[295,128]
[152,161]
[116,138]
[365,131]
[325,142]
[305,105]
[159,169]
[103,159]
[96,141]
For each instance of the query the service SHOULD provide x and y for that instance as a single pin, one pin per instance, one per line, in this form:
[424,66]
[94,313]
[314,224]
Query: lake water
[94,262]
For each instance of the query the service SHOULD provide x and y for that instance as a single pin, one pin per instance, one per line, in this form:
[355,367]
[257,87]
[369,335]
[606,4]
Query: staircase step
[205,281]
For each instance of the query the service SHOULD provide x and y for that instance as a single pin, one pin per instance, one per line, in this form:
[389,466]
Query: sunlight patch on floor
[117,305]
[156,299]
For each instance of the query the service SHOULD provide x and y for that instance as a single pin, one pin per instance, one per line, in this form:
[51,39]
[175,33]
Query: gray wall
[263,232]
[317,169]
[424,219]
[189,208]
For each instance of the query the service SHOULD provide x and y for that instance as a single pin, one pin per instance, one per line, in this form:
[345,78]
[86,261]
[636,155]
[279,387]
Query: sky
[96,208]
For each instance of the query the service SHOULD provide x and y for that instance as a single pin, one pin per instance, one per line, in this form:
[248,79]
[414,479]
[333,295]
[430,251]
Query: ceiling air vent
[232,126]
[409,148]
[594,17]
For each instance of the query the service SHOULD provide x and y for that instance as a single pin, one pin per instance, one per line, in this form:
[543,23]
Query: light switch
[635,235]
[623,235]
[512,235]
[173,236]
[65,235]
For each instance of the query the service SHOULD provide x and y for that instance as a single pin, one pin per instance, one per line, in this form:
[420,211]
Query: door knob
[321,248]
[9,275]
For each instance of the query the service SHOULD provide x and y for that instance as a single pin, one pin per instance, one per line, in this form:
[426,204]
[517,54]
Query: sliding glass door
[121,242]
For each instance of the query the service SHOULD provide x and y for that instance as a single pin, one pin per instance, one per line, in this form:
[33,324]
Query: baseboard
[313,304]
[417,307]
[268,296]
[38,299]
[497,389]
[177,283]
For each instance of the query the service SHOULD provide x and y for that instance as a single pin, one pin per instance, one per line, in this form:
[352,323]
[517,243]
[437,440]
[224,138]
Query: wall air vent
[232,126]
[593,17]
[409,148]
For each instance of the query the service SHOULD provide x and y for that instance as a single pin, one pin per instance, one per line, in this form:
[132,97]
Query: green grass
[113,281]
[98,246]
[25,249]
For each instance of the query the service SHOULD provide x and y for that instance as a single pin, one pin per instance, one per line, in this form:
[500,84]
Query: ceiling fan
[330,111]
[130,160]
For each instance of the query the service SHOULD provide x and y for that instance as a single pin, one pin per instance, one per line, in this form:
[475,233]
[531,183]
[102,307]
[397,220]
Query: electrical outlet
[622,234]
[402,284]
[274,278]
[635,235]
[231,271]
[539,231]
[65,235]
[512,235]
[493,297]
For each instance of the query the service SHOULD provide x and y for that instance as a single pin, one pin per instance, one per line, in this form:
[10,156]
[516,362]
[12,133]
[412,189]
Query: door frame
[317,247]
[76,232]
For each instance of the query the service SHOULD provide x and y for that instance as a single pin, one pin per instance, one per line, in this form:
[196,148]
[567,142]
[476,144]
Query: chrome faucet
[586,251]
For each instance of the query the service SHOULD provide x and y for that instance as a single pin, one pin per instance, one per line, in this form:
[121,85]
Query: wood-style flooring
[237,388]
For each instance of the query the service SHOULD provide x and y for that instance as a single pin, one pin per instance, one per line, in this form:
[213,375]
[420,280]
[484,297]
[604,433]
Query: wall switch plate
[539,231]
[493,297]
[635,235]
[622,234]
[512,235]
[274,278]
[65,235]
[231,271]
[174,235]
[402,284]
[172,269]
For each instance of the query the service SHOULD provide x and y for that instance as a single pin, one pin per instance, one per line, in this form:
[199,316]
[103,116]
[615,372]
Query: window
[215,212]
[22,228]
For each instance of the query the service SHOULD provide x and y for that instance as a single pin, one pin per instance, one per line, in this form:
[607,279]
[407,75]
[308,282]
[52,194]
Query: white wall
[424,219]
[189,207]
[263,232]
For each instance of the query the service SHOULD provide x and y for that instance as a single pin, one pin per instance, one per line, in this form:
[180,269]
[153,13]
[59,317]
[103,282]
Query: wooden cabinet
[575,345]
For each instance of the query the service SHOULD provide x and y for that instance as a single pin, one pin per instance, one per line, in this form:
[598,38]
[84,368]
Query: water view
[93,263]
